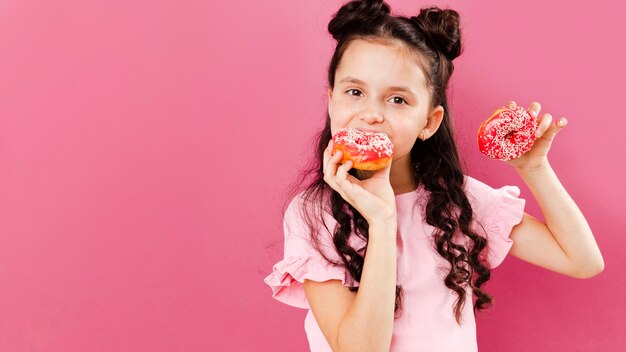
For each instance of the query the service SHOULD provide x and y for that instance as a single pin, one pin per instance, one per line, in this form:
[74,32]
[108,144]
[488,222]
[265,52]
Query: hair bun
[357,17]
[441,29]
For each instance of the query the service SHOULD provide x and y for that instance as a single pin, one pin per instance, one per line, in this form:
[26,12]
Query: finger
[511,105]
[558,126]
[331,167]
[330,173]
[544,124]
[534,109]
[344,188]
[342,172]
[555,128]
[328,154]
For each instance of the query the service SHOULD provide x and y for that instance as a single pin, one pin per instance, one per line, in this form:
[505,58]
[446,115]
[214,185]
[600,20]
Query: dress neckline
[409,196]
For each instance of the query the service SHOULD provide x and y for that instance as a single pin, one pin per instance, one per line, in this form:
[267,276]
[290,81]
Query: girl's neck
[401,176]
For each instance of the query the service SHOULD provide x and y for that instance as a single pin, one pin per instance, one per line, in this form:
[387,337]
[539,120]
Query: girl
[387,260]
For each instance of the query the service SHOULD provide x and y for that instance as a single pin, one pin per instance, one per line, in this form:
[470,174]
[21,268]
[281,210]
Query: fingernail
[537,133]
[562,122]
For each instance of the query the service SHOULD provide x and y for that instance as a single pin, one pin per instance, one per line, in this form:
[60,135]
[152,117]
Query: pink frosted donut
[367,150]
[507,134]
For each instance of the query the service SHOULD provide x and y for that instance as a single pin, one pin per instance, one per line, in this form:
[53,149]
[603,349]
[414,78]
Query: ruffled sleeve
[498,210]
[302,261]
[507,212]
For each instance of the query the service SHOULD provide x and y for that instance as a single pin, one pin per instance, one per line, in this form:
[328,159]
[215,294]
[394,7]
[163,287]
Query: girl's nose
[371,116]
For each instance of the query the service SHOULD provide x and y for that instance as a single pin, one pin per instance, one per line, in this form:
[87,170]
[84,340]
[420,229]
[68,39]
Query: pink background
[145,148]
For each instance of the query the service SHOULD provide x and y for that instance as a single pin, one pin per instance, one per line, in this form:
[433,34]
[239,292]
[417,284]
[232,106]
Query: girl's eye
[353,90]
[400,99]
[356,90]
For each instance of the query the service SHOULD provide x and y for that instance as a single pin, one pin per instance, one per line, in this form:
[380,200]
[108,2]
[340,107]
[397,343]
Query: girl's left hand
[537,156]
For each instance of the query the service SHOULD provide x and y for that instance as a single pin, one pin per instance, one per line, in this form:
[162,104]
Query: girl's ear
[434,120]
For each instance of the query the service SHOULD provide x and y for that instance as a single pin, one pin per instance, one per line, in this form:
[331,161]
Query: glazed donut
[367,150]
[507,133]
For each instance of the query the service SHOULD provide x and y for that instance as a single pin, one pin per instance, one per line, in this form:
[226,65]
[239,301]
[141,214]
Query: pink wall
[145,146]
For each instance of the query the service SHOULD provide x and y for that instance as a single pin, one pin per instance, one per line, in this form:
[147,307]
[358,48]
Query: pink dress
[427,322]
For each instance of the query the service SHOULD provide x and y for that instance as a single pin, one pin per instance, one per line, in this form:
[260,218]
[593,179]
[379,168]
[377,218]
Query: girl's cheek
[341,104]
[339,113]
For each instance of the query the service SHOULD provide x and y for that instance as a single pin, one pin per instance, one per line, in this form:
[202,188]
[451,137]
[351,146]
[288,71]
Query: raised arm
[565,243]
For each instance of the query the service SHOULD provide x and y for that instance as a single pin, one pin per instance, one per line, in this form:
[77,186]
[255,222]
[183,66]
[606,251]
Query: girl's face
[378,87]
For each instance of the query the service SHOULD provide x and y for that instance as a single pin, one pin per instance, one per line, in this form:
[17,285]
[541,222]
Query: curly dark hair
[434,36]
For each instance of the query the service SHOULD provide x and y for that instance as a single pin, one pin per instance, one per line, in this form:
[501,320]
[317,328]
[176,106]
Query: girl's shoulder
[308,200]
[479,188]
[485,198]
[311,205]
[473,184]
[318,198]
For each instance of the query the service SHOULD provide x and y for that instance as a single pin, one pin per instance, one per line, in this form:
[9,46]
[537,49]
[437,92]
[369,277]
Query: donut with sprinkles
[507,133]
[367,150]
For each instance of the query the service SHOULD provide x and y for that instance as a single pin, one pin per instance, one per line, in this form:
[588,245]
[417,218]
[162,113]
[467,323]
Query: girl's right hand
[373,198]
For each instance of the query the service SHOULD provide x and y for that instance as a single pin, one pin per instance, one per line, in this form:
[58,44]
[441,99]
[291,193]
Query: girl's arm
[361,321]
[565,243]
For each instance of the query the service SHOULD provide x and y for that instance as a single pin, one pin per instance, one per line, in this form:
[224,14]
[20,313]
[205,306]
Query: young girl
[393,259]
